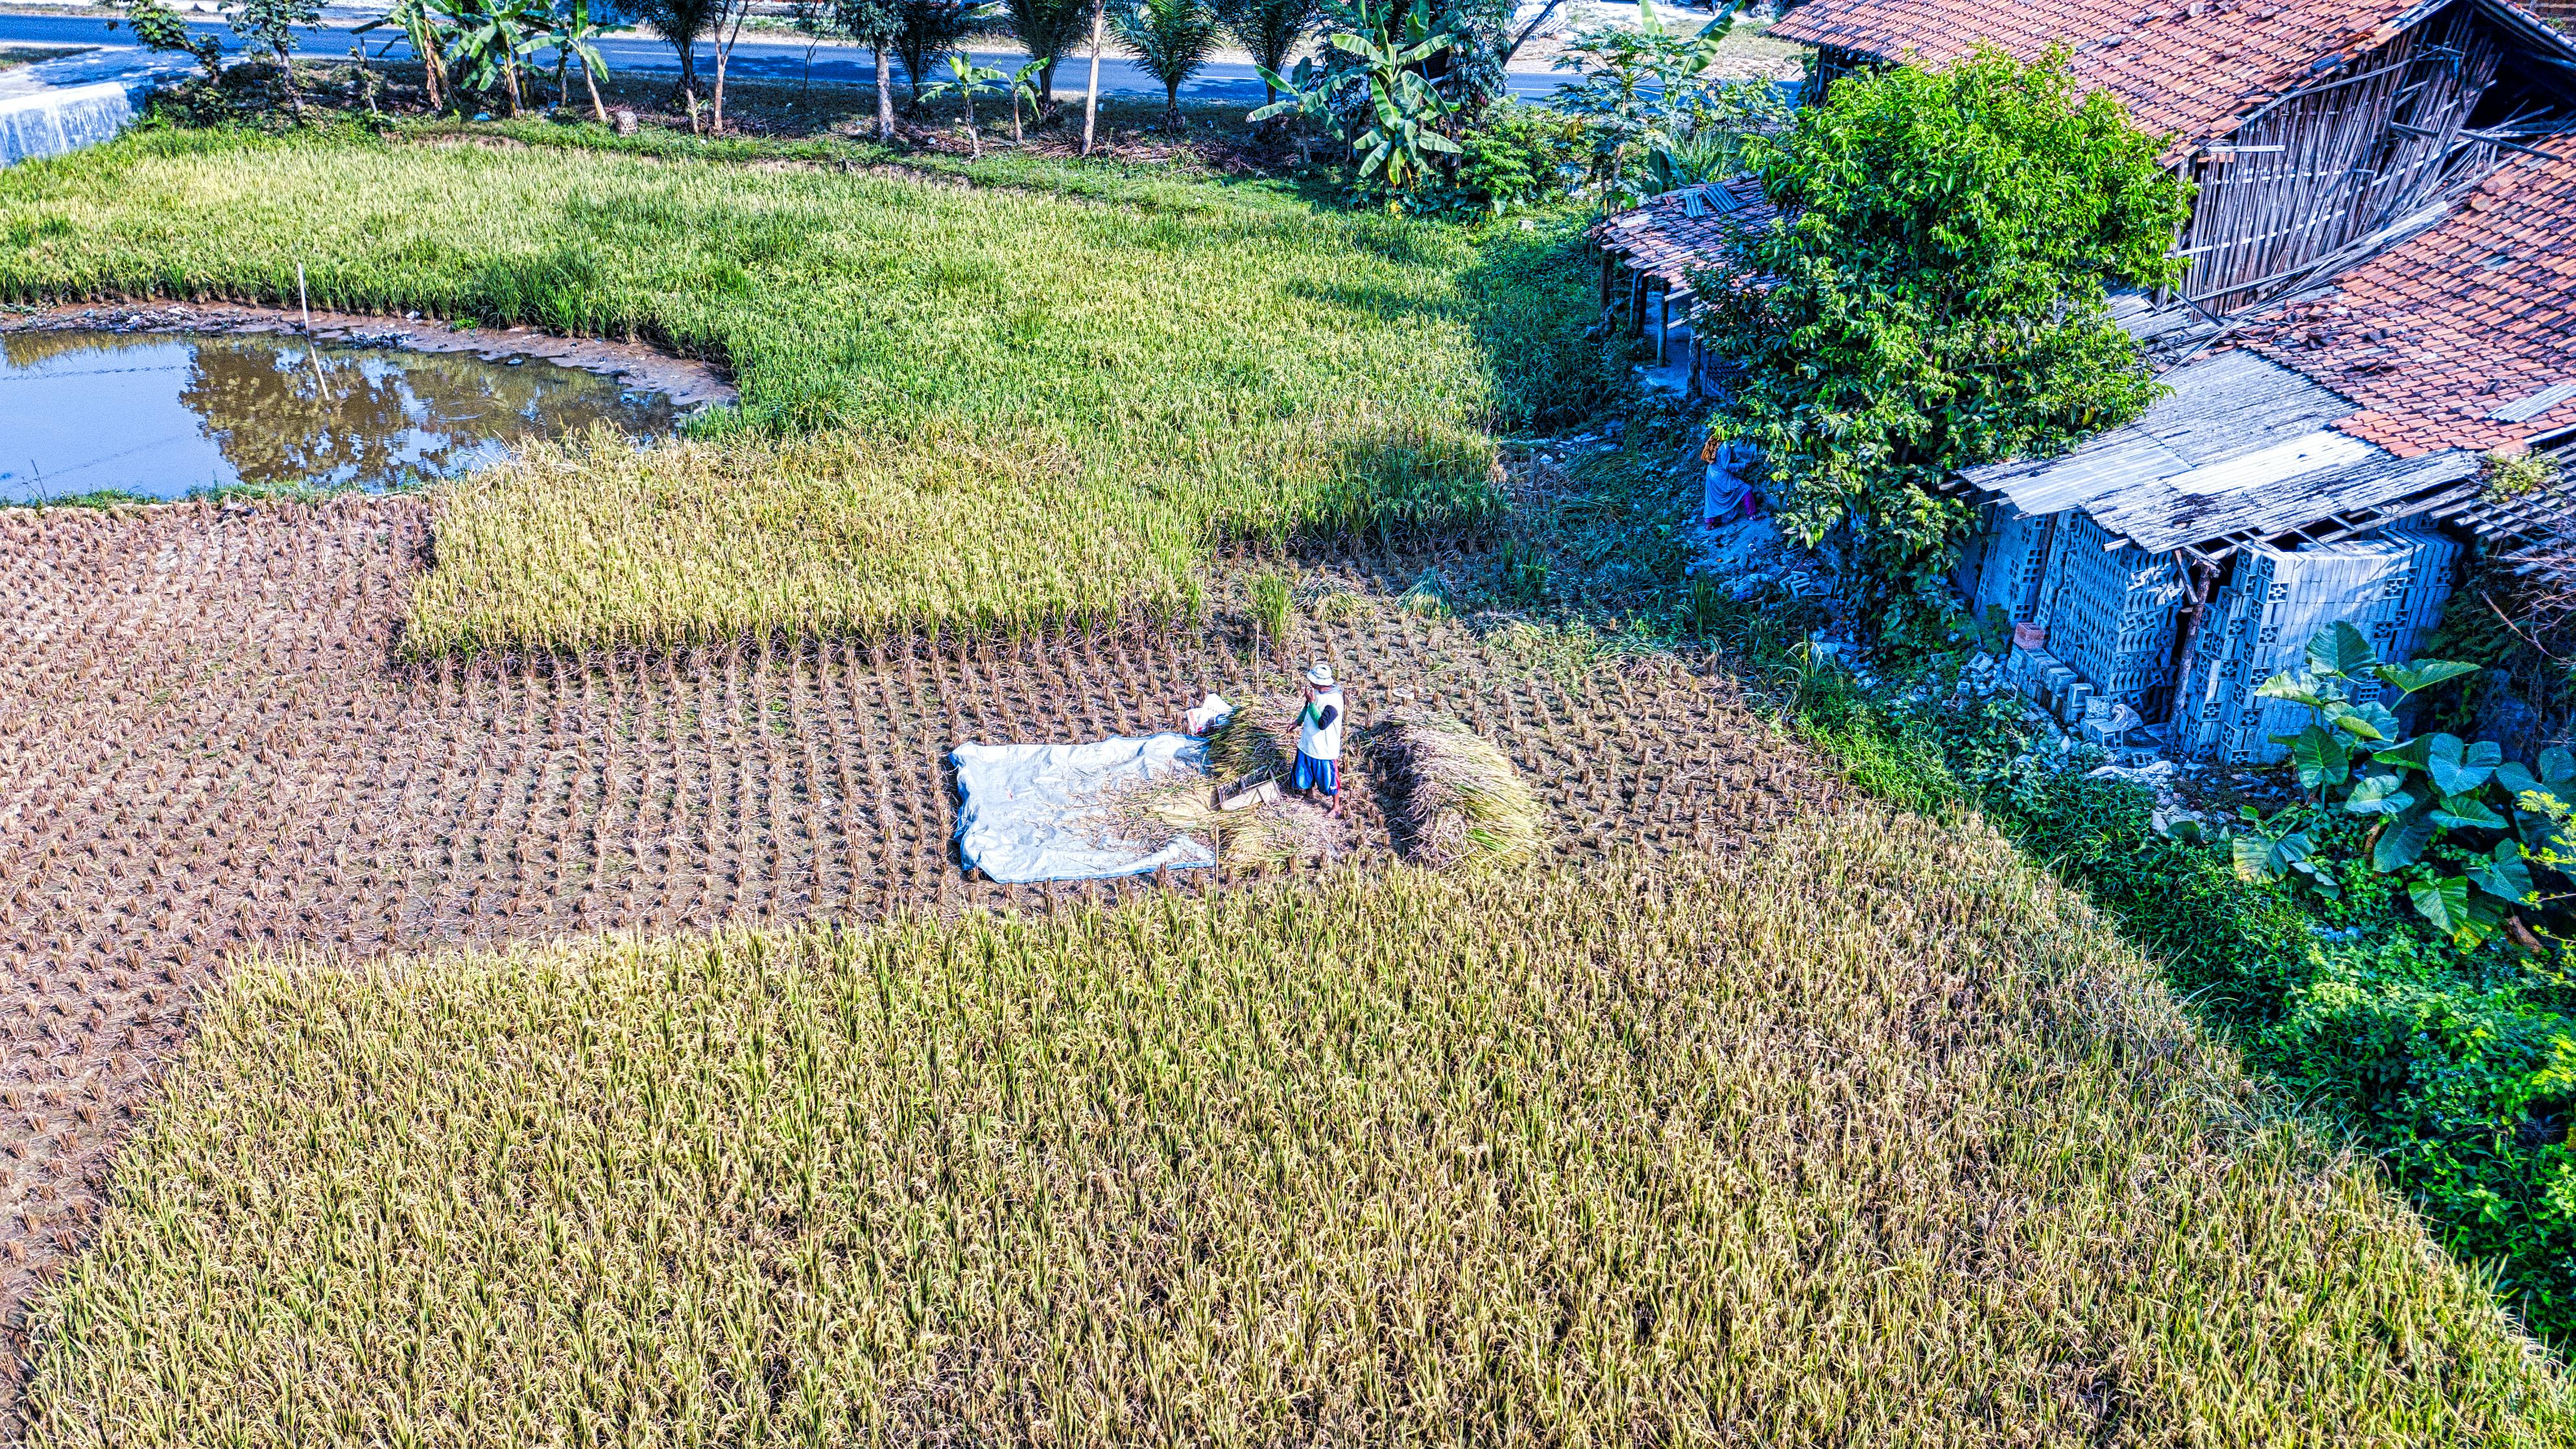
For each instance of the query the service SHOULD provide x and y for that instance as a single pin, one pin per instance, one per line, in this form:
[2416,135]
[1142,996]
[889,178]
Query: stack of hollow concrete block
[2389,585]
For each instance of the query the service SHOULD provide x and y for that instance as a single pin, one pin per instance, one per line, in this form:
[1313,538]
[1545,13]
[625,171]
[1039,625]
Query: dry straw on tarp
[1463,800]
[1270,834]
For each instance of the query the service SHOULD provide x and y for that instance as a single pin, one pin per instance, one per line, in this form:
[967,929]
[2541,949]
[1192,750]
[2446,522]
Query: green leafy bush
[2452,1058]
[1936,299]
[1516,156]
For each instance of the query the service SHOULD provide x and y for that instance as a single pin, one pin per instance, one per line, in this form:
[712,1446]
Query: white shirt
[1322,742]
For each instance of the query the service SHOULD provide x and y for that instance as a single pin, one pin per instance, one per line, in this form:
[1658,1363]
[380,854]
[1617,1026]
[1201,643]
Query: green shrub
[1517,157]
[2456,1067]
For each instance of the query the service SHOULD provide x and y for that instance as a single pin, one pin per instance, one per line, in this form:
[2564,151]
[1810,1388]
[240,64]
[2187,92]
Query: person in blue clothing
[1319,737]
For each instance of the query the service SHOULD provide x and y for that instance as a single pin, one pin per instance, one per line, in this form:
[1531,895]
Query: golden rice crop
[1464,801]
[693,541]
[1870,1137]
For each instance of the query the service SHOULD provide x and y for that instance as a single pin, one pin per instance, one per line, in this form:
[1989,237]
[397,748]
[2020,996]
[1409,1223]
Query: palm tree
[1269,29]
[1048,30]
[1171,39]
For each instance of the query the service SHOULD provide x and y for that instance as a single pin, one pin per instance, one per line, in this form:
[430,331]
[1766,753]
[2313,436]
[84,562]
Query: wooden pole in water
[312,352]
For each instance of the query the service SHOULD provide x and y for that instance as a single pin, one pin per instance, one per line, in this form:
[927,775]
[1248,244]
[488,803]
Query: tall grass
[1250,365]
[1871,1137]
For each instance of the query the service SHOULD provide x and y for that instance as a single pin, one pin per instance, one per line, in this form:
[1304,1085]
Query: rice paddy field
[490,967]
[210,743]
[1041,409]
[1865,1136]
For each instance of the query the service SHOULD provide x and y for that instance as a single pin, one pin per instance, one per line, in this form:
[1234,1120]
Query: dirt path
[204,746]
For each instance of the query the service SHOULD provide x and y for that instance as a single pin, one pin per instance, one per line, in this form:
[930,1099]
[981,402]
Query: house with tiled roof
[2381,292]
[2320,458]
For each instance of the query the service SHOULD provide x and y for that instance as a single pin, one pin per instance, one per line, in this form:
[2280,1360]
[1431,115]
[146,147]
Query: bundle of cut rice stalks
[1464,803]
[1257,740]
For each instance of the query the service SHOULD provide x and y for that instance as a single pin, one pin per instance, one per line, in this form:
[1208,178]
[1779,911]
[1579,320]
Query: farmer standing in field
[1319,737]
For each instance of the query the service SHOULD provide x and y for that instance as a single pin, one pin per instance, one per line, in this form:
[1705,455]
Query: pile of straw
[1257,740]
[1464,803]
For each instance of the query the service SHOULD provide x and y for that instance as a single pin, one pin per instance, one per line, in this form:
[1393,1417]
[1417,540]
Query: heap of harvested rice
[1270,834]
[1463,800]
[1257,740]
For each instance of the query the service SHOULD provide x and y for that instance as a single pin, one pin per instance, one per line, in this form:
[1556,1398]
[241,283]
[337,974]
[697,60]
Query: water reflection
[160,416]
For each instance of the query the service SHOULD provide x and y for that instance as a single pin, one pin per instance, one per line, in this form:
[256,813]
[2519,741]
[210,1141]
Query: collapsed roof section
[2243,449]
[2463,336]
[2361,402]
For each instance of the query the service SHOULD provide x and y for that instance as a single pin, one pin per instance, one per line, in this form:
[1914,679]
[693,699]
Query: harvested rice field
[1867,1135]
[210,741]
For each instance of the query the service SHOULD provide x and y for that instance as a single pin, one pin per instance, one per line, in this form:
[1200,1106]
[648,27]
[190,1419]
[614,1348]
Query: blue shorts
[1312,772]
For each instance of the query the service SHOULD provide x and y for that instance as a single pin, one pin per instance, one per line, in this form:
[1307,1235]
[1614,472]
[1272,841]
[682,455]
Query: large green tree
[1933,297]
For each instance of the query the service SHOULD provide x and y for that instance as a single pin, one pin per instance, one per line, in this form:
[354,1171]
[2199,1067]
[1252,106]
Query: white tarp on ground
[1034,812]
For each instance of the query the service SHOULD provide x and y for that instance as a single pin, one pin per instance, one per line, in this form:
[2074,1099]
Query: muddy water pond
[163,415]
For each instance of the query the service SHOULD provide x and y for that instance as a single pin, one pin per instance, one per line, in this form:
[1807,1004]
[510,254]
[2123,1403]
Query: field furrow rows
[215,745]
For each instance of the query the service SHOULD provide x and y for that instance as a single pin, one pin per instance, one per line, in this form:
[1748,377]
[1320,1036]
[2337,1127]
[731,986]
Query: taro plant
[2459,824]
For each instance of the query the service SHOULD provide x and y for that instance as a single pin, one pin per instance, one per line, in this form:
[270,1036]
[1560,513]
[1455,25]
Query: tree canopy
[1934,296]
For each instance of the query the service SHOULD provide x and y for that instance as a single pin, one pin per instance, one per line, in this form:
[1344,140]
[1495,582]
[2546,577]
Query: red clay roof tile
[2433,337]
[2182,69]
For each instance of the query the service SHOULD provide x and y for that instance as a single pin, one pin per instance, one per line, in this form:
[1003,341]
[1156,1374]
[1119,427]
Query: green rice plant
[1205,362]
[1330,601]
[1869,1136]
[1273,606]
[1427,596]
[1464,802]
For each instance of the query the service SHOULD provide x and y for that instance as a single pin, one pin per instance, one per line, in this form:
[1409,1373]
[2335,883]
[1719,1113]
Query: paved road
[761,58]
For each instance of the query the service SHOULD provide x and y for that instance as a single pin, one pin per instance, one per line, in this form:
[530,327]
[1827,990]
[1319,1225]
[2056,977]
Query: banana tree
[1027,86]
[428,30]
[1377,100]
[490,38]
[965,78]
[2492,817]
[575,37]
